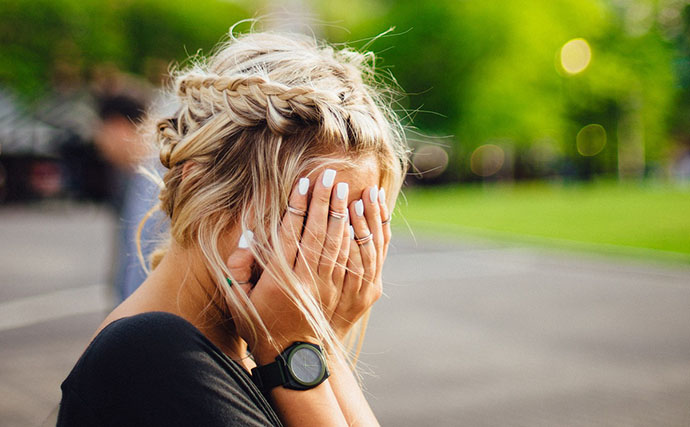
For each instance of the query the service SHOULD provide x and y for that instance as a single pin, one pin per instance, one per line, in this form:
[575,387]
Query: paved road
[470,333]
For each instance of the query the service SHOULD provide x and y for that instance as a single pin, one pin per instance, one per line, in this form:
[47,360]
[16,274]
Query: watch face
[306,365]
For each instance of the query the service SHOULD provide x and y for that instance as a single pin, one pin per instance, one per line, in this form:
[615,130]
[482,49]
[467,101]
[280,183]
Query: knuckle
[299,202]
[323,195]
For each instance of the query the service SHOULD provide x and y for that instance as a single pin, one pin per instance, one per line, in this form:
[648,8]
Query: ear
[187,168]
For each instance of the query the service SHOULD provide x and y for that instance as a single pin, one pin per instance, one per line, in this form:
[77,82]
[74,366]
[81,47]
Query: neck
[181,284]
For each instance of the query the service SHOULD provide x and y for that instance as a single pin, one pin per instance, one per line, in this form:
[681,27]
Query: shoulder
[157,368]
[145,346]
[147,330]
[140,340]
[135,353]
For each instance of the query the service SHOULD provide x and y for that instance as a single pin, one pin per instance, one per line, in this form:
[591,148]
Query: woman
[284,165]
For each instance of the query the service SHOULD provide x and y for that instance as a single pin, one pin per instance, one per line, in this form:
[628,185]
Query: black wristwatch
[301,366]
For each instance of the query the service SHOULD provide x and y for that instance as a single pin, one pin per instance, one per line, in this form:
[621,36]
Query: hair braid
[168,138]
[252,100]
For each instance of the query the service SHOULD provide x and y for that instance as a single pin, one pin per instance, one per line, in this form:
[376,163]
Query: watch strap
[269,376]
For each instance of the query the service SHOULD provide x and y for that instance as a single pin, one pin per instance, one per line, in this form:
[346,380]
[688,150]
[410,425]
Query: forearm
[315,407]
[349,394]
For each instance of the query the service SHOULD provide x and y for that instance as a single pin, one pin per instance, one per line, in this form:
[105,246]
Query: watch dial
[306,365]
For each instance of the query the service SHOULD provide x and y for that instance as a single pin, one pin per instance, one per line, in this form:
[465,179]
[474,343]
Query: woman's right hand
[363,284]
[313,249]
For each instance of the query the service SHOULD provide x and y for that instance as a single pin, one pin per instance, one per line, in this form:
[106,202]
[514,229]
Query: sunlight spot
[487,159]
[591,140]
[575,56]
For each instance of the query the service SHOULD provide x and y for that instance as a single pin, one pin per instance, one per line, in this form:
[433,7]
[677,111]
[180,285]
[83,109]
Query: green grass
[648,218]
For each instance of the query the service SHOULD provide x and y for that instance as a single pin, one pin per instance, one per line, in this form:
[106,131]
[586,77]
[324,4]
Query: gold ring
[337,215]
[297,211]
[364,240]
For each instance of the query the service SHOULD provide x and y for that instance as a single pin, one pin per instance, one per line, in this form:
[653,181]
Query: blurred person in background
[284,162]
[132,194]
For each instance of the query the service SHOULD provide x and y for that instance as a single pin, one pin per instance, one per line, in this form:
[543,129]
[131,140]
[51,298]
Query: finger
[366,248]
[240,263]
[337,220]
[386,228]
[372,212]
[354,268]
[339,270]
[293,220]
[314,233]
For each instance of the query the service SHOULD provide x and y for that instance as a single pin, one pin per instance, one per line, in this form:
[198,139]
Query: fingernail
[341,190]
[245,239]
[374,194]
[352,233]
[303,186]
[382,196]
[328,177]
[359,207]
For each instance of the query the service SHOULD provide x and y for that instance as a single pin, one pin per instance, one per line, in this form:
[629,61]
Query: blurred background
[541,268]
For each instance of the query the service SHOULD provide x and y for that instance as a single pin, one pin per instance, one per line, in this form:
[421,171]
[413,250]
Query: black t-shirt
[157,369]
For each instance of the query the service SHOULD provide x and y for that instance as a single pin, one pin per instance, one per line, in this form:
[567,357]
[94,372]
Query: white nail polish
[328,177]
[382,196]
[303,186]
[359,207]
[245,239]
[373,194]
[341,190]
[352,233]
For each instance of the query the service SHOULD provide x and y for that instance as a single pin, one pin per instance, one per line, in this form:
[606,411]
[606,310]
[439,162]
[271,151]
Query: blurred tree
[49,42]
[490,72]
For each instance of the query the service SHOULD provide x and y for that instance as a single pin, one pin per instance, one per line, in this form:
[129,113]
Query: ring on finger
[364,240]
[337,215]
[387,221]
[230,282]
[296,211]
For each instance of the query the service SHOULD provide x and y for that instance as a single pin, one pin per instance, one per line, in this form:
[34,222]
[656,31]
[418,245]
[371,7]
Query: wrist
[301,366]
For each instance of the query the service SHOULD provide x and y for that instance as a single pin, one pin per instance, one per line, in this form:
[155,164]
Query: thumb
[240,263]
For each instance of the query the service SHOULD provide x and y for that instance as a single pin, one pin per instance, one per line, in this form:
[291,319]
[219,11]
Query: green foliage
[481,71]
[491,73]
[43,42]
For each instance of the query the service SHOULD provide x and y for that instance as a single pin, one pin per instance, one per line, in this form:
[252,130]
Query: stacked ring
[337,215]
[364,240]
[296,211]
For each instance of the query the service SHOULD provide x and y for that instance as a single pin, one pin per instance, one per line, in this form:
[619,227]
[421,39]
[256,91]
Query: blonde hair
[263,111]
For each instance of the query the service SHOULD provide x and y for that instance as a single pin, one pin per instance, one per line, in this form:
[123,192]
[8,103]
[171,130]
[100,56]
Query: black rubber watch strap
[269,376]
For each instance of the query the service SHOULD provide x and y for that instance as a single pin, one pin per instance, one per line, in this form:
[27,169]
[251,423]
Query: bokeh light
[487,159]
[430,161]
[575,56]
[591,139]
